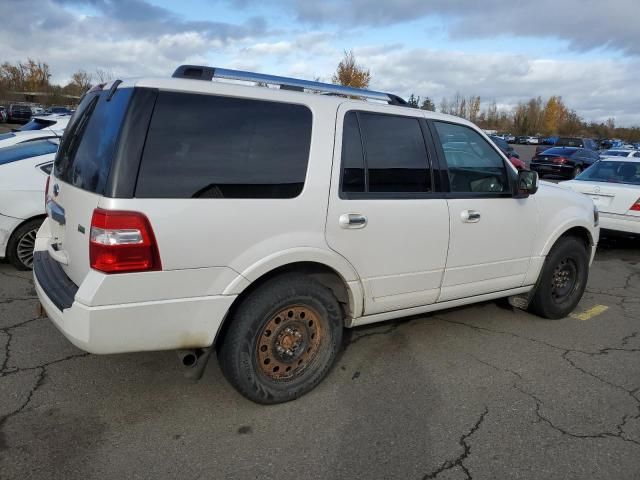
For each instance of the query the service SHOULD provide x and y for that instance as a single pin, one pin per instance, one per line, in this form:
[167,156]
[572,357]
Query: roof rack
[198,72]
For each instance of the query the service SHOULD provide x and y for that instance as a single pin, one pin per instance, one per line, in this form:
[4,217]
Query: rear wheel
[21,243]
[563,279]
[282,339]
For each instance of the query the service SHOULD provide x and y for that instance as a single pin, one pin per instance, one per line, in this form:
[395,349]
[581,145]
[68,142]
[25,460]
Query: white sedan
[614,186]
[51,126]
[24,169]
[615,152]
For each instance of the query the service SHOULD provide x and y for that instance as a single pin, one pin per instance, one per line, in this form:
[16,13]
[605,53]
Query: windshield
[612,172]
[4,136]
[37,124]
[27,150]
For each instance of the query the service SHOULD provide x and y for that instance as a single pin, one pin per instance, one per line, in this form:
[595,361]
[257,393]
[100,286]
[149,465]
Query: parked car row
[23,112]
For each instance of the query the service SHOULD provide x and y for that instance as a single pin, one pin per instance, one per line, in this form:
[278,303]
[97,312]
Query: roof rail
[197,72]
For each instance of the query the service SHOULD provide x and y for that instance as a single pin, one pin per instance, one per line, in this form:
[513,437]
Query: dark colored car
[503,145]
[565,162]
[579,142]
[19,113]
[3,114]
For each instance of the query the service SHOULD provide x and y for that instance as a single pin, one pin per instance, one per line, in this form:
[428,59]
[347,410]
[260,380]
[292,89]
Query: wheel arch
[579,231]
[342,281]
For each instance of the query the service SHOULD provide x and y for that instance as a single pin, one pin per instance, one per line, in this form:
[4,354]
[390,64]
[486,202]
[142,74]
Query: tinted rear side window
[204,146]
[396,155]
[394,158]
[89,142]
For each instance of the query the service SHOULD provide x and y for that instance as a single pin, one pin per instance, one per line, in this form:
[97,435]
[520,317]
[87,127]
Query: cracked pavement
[476,392]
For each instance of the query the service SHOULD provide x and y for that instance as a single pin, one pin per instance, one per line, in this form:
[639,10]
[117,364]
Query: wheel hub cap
[289,342]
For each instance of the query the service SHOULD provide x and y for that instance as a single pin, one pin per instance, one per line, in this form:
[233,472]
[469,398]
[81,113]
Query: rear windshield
[37,124]
[567,152]
[205,146]
[612,172]
[89,142]
[27,150]
[570,142]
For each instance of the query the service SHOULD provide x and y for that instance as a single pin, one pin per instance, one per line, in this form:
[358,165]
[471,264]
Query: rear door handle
[352,220]
[470,216]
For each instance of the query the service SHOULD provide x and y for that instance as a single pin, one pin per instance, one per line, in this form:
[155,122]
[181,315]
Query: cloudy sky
[587,51]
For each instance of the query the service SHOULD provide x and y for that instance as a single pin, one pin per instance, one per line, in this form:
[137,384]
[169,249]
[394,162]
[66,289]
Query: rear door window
[384,154]
[205,146]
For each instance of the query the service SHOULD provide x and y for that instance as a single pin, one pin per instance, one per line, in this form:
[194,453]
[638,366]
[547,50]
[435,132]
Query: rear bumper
[551,169]
[620,223]
[129,327]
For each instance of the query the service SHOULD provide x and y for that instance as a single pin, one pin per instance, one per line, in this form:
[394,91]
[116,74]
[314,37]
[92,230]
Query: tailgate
[70,211]
[80,175]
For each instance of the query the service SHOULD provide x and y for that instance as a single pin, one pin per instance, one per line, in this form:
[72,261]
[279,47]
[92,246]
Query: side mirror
[527,183]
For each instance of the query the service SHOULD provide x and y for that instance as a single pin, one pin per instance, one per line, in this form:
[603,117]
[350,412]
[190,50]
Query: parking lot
[476,392]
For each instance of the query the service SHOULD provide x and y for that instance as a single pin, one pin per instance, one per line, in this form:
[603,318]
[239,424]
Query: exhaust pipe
[194,361]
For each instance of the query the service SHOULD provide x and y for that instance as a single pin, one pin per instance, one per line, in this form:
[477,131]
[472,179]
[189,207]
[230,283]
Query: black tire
[23,237]
[252,355]
[563,279]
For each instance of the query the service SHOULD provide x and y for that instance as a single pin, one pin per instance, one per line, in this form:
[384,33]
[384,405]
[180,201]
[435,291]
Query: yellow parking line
[589,314]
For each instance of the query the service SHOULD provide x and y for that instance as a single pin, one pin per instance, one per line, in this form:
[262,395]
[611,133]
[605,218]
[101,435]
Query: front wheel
[563,279]
[282,339]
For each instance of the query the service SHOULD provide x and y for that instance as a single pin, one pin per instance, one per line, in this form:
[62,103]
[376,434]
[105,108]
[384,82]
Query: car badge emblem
[596,189]
[56,190]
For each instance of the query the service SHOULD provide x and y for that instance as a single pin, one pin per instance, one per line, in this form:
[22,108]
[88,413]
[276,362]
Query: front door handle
[470,216]
[352,220]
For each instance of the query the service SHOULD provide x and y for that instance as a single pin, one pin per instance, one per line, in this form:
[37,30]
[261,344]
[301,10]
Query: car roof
[621,159]
[275,94]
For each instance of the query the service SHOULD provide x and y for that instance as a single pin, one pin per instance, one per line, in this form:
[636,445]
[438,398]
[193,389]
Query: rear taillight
[122,242]
[636,206]
[559,160]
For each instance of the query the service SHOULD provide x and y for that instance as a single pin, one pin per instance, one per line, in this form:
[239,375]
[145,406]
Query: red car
[519,164]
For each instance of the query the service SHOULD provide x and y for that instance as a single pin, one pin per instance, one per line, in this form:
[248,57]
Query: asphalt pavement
[481,392]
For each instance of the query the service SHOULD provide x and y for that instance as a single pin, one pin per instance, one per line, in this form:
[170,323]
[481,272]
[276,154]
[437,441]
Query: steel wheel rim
[25,246]
[564,280]
[289,342]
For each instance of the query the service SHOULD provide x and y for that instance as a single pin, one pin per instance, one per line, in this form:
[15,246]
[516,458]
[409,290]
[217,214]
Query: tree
[350,74]
[413,101]
[444,105]
[104,76]
[474,108]
[80,82]
[554,115]
[427,104]
[30,76]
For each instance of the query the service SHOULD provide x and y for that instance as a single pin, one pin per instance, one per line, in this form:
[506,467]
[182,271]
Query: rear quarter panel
[22,187]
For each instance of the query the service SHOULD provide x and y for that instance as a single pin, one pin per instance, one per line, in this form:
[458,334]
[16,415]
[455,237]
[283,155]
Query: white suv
[195,213]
